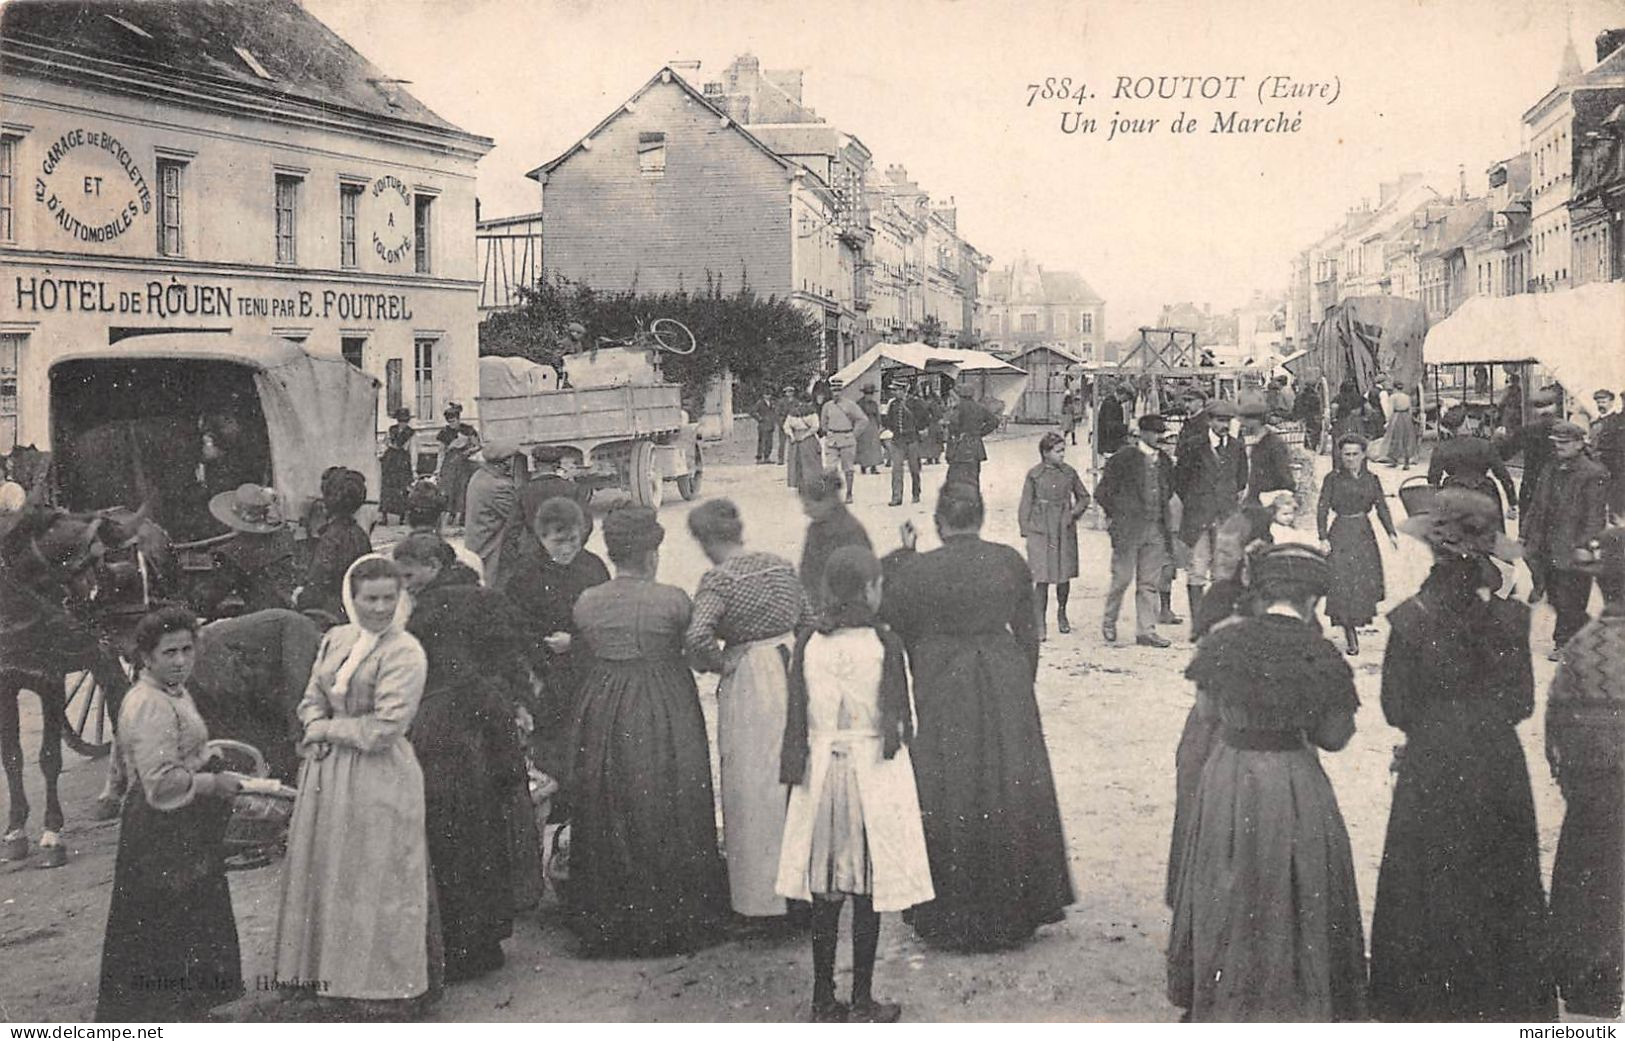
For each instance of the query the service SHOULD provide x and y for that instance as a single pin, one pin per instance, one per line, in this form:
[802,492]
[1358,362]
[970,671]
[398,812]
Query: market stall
[989,379]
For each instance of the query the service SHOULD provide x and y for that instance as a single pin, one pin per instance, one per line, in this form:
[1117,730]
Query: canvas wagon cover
[320,410]
[1366,335]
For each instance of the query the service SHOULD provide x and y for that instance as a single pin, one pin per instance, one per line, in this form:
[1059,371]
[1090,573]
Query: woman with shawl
[356,916]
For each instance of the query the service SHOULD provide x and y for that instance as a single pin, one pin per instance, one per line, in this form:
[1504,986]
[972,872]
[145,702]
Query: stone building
[234,168]
[1028,305]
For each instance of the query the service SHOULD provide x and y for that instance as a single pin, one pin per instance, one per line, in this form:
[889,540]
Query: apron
[751,703]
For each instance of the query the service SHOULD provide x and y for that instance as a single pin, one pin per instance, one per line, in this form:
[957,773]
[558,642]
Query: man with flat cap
[1208,478]
[1134,489]
[1568,511]
[1608,441]
[1268,460]
[493,498]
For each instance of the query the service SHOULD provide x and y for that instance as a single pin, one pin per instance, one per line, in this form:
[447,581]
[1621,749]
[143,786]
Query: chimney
[1609,41]
[1461,181]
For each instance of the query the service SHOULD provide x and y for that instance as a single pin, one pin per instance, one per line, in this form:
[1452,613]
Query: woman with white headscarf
[356,916]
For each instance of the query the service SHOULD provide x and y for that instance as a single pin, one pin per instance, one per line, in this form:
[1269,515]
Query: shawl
[1277,671]
[369,640]
[896,720]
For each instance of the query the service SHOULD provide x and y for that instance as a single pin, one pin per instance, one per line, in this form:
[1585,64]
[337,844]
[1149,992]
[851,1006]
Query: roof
[1056,287]
[270,47]
[666,75]
[1054,348]
[1459,225]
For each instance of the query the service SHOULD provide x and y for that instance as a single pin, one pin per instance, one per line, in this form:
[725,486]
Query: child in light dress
[853,824]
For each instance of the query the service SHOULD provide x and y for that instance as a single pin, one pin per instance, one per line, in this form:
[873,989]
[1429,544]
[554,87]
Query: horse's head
[51,548]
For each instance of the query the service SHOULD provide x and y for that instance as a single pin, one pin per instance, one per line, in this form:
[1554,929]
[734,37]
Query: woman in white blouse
[170,951]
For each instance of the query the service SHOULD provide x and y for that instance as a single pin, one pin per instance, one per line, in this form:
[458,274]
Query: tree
[766,343]
[931,330]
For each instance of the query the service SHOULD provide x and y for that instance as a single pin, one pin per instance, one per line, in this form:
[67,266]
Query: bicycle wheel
[672,336]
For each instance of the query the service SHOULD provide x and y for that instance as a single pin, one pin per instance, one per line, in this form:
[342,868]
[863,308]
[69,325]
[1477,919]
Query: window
[421,208]
[170,172]
[652,154]
[1029,323]
[11,353]
[8,166]
[392,385]
[354,349]
[1086,323]
[287,219]
[349,200]
[423,374]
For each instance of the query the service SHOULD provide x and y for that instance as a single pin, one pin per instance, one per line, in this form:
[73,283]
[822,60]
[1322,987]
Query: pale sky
[940,87]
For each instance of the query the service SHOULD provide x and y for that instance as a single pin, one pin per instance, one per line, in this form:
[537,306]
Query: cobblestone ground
[1112,718]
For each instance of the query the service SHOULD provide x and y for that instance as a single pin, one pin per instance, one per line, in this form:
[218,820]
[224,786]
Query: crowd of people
[879,736]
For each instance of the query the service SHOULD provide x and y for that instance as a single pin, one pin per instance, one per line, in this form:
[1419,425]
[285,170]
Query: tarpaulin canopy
[1577,335]
[515,378]
[1364,336]
[320,410]
[986,375]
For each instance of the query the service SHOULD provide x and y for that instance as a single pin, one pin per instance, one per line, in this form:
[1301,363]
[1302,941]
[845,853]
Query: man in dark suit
[1208,479]
[905,418]
[1533,444]
[1608,443]
[1568,511]
[967,425]
[1133,492]
[1269,461]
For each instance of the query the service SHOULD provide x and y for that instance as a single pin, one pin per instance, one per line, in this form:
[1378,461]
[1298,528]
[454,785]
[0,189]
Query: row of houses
[740,184]
[1552,217]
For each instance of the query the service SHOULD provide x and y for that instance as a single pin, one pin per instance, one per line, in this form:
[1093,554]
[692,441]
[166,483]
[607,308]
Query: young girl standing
[853,826]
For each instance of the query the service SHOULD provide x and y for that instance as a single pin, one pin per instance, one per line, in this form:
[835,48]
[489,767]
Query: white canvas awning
[989,376]
[1578,335]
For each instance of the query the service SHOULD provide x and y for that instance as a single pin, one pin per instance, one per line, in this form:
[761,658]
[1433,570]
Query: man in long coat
[906,417]
[493,499]
[968,424]
[1133,492]
[1569,510]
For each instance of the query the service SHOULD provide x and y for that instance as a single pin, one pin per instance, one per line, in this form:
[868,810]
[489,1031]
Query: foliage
[931,330]
[766,343]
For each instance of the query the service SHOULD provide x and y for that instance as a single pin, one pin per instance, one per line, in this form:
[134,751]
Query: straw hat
[248,508]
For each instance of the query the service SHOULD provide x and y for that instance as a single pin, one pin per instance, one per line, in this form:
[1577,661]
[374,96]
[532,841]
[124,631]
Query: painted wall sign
[92,186]
[392,216]
[174,298]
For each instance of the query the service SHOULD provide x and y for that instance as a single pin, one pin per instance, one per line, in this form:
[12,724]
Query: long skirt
[1357,583]
[1196,743]
[751,704]
[645,874]
[804,462]
[1267,918]
[170,952]
[394,480]
[992,824]
[932,443]
[471,768]
[355,885]
[1588,893]
[1459,930]
[869,446]
[1402,439]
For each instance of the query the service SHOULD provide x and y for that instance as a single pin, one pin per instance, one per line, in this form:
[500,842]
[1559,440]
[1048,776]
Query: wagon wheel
[643,478]
[89,729]
[672,336]
[689,483]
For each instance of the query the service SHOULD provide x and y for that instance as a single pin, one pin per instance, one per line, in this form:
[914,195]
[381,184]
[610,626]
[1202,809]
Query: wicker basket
[1416,495]
[258,819]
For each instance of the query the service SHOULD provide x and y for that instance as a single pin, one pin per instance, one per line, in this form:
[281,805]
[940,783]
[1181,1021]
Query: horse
[49,563]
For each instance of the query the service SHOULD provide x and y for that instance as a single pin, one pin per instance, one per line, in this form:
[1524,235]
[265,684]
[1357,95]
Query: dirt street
[1112,717]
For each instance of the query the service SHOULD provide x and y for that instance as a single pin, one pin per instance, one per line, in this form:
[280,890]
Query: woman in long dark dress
[992,825]
[340,543]
[1459,929]
[468,747]
[1348,411]
[1267,918]
[395,467]
[1585,745]
[646,877]
[1352,491]
[544,589]
[171,948]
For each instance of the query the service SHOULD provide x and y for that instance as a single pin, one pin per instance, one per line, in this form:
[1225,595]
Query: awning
[1578,335]
[988,376]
